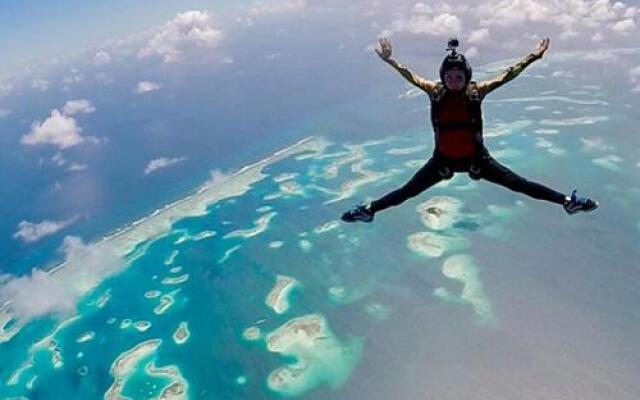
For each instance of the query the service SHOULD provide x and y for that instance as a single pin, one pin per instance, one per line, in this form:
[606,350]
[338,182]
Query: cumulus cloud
[162,162]
[33,231]
[101,58]
[43,293]
[188,31]
[146,86]
[60,129]
[4,112]
[624,26]
[575,17]
[72,107]
[443,24]
[478,36]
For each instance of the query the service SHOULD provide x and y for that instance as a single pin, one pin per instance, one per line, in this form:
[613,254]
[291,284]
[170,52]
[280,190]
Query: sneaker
[576,204]
[358,213]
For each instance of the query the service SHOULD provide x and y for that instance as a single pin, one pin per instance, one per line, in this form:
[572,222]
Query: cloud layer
[34,231]
[43,293]
[187,32]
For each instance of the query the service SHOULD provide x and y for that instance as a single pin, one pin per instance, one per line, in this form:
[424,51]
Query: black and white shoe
[358,213]
[577,204]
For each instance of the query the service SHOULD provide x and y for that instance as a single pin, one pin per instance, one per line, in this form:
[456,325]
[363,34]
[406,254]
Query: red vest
[457,121]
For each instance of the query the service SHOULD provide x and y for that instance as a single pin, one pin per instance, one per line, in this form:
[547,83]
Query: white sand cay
[171,257]
[103,299]
[252,333]
[142,326]
[166,301]
[285,176]
[350,187]
[291,188]
[228,253]
[176,389]
[278,298]
[152,294]
[320,356]
[261,225]
[434,244]
[326,227]
[175,280]
[182,333]
[462,268]
[86,337]
[440,212]
[125,365]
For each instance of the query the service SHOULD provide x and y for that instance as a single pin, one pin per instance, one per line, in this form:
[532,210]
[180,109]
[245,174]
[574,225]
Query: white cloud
[624,26]
[146,86]
[72,107]
[101,58]
[33,231]
[188,31]
[443,24]
[575,18]
[422,8]
[43,293]
[162,162]
[60,129]
[276,7]
[4,112]
[40,84]
[227,60]
[478,36]
[513,12]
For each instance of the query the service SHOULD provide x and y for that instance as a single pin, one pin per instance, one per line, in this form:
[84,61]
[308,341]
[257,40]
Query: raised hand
[542,47]
[385,49]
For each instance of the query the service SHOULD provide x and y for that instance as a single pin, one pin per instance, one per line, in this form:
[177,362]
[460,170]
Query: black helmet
[455,60]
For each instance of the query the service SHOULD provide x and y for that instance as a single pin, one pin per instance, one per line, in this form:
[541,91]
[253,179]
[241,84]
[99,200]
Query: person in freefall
[456,118]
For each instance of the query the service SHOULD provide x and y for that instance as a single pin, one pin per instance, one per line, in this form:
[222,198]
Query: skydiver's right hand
[385,49]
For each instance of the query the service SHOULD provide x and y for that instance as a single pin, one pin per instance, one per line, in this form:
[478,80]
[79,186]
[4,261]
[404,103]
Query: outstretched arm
[385,53]
[486,87]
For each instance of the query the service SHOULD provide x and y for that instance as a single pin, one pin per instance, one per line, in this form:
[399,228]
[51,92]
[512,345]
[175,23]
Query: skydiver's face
[455,79]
